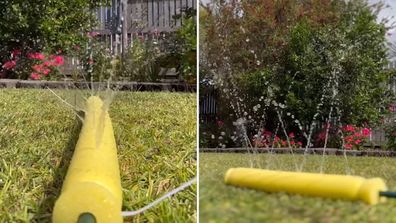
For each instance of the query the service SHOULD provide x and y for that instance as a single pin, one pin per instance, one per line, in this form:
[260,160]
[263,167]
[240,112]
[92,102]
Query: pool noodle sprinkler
[91,191]
[371,191]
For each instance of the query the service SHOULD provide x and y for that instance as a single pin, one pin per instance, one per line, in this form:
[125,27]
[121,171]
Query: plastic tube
[92,187]
[309,184]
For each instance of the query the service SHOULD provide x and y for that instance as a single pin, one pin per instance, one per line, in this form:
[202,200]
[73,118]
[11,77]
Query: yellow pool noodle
[309,184]
[92,183]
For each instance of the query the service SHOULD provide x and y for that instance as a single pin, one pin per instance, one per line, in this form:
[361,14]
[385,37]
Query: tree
[307,61]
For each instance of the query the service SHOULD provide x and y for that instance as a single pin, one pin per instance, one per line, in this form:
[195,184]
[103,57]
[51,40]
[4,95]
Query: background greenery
[299,58]
[59,27]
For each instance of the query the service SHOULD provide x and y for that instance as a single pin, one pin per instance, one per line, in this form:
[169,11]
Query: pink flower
[349,128]
[276,139]
[357,134]
[292,143]
[48,63]
[35,76]
[322,135]
[58,60]
[299,143]
[45,71]
[16,52]
[348,146]
[357,141]
[9,64]
[348,139]
[267,133]
[284,143]
[291,135]
[220,123]
[37,56]
[366,131]
[37,67]
[93,34]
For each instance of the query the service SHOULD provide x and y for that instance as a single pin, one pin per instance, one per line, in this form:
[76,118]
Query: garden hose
[371,191]
[91,191]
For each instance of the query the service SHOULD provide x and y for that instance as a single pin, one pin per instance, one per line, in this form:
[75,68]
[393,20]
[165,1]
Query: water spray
[372,191]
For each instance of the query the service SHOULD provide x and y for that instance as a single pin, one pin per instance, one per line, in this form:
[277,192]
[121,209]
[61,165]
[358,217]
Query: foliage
[354,137]
[267,139]
[53,24]
[308,61]
[187,33]
[140,63]
[47,26]
[390,132]
[32,65]
[347,59]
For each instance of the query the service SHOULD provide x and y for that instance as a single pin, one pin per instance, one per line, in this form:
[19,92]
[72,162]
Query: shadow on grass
[52,189]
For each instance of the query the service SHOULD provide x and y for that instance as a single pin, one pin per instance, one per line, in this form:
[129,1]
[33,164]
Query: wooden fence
[156,14]
[121,22]
[143,16]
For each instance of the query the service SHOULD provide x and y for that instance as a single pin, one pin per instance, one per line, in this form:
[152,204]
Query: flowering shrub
[390,133]
[354,137]
[267,139]
[33,65]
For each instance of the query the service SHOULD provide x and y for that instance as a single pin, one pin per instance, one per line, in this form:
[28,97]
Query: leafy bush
[309,62]
[44,25]
[33,65]
[390,133]
[140,63]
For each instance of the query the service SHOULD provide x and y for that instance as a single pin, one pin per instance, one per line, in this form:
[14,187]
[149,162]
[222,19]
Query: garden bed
[224,203]
[156,140]
[328,151]
[121,86]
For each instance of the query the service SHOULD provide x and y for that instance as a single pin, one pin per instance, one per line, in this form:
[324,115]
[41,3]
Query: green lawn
[222,203]
[156,139]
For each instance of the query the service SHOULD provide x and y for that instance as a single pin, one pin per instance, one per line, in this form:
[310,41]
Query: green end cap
[86,218]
